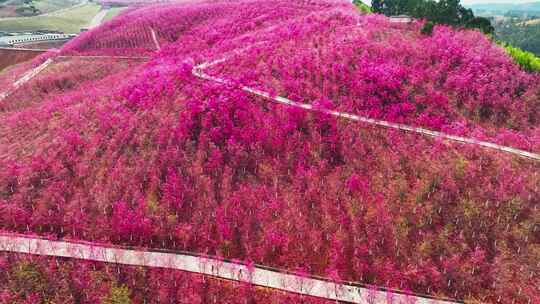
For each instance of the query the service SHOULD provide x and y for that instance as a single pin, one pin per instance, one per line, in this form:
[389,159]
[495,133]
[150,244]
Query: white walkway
[155,39]
[260,276]
[35,71]
[25,78]
[198,71]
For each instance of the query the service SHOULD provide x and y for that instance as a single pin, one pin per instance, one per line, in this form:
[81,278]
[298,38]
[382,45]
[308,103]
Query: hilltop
[120,140]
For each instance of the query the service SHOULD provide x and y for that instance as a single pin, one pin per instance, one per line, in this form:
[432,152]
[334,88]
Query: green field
[47,6]
[113,12]
[8,7]
[67,21]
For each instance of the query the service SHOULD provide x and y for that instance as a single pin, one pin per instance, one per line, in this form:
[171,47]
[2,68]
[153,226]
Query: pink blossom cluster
[12,73]
[147,154]
[65,76]
[455,81]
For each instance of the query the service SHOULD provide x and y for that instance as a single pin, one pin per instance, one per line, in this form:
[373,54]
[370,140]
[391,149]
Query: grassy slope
[47,6]
[113,12]
[69,21]
[362,6]
[44,6]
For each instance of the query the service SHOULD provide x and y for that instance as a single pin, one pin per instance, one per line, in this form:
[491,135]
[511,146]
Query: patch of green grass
[69,21]
[47,6]
[364,8]
[22,8]
[113,12]
[527,60]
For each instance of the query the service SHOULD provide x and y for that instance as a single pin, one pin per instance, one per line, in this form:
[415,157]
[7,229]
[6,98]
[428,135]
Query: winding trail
[25,78]
[154,38]
[196,263]
[198,71]
[35,71]
[256,275]
[32,73]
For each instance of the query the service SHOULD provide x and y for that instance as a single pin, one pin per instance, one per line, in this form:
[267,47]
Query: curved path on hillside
[257,275]
[198,71]
[35,71]
[155,39]
[25,78]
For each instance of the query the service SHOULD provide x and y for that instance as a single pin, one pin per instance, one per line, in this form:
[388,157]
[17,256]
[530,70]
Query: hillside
[502,8]
[160,145]
[523,33]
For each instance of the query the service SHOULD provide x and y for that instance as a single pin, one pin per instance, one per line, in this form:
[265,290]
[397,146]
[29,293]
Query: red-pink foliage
[28,279]
[152,156]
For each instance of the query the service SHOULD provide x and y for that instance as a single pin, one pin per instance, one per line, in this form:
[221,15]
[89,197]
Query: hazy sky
[495,1]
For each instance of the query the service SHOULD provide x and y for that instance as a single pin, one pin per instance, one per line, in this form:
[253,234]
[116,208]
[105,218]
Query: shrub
[86,282]
[448,12]
[118,295]
[163,159]
[527,60]
[28,279]
[427,28]
[482,24]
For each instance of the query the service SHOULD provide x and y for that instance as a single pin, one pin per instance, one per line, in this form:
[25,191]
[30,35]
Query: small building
[401,19]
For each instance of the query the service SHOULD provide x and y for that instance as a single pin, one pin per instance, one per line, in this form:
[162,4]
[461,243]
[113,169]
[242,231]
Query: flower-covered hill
[458,82]
[147,154]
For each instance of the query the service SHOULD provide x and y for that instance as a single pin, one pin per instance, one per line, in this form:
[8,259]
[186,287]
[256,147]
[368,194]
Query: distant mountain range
[506,7]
